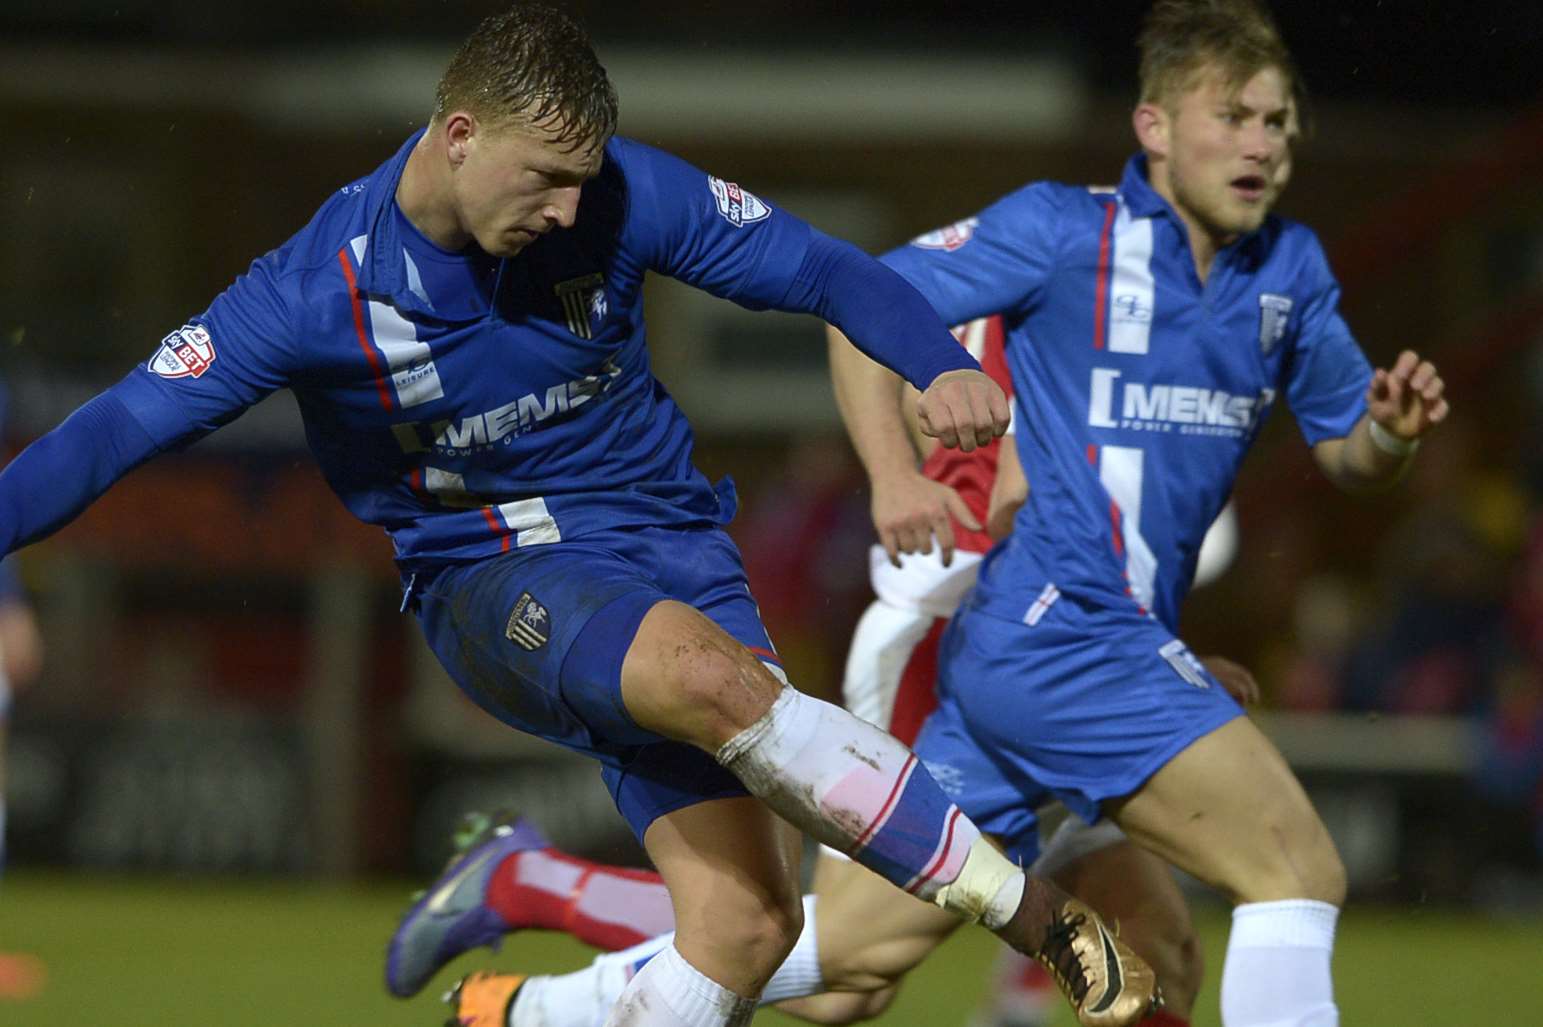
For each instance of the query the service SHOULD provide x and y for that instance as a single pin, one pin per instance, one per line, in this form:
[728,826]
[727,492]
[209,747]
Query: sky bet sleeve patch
[186,353]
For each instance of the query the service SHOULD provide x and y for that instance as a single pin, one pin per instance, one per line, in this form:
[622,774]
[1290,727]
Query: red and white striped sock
[608,907]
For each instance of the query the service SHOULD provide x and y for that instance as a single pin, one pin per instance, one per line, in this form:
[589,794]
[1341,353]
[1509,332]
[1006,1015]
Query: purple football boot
[453,917]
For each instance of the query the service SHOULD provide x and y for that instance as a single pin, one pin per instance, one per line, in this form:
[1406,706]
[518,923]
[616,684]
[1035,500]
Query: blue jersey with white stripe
[1140,388]
[467,404]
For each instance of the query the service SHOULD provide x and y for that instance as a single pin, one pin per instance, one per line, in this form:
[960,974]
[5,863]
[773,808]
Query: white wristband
[1391,444]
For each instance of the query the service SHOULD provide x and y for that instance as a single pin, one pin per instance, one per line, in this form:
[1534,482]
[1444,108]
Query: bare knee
[1305,865]
[688,679]
[753,940]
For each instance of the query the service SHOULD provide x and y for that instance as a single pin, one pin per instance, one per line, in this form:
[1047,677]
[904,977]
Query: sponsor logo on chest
[507,420]
[1182,409]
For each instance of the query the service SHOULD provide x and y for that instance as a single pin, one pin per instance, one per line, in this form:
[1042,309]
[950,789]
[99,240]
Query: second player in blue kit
[1151,328]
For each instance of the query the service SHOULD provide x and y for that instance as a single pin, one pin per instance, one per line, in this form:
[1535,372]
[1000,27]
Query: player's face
[519,182]
[1228,153]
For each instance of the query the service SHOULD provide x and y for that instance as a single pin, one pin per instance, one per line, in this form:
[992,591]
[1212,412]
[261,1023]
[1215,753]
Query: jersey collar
[383,268]
[1143,201]
[1140,198]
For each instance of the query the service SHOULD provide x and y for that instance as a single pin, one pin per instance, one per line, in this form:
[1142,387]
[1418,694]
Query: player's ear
[1151,123]
[460,136]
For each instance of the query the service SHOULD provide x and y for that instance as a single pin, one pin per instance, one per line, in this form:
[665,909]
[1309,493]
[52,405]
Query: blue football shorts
[537,636]
[1087,704]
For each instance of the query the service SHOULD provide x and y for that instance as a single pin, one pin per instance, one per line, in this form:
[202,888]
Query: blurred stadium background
[240,753]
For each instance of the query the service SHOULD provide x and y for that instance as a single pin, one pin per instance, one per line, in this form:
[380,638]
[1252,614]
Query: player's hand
[1235,678]
[1408,399]
[963,409]
[910,510]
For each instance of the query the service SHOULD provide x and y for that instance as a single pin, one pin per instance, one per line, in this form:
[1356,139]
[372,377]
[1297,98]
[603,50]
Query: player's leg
[731,867]
[505,877]
[684,677]
[542,639]
[1229,810]
[849,785]
[1127,713]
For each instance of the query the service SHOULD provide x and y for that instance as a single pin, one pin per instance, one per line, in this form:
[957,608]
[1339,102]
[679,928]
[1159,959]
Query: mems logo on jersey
[738,207]
[186,353]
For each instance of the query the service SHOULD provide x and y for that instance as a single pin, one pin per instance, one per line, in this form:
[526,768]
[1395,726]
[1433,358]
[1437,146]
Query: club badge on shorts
[530,625]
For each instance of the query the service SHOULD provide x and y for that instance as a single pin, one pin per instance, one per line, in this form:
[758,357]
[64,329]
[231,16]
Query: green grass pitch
[143,952]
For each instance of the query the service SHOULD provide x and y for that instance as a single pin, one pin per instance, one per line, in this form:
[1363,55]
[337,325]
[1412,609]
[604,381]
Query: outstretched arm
[54,479]
[909,509]
[885,317]
[1402,405]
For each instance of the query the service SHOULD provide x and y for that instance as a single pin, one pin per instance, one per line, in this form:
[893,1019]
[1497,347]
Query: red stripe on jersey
[1114,522]
[1101,294]
[917,694]
[495,527]
[364,337]
[1092,454]
[415,479]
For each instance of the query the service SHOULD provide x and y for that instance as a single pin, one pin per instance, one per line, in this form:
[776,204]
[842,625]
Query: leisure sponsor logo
[504,422]
[1132,308]
[738,207]
[1274,314]
[949,237]
[186,353]
[530,625]
[1185,409]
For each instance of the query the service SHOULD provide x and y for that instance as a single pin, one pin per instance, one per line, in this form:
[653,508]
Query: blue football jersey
[470,405]
[1140,389]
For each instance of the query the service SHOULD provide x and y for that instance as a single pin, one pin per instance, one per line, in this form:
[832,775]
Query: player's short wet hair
[532,64]
[1182,38]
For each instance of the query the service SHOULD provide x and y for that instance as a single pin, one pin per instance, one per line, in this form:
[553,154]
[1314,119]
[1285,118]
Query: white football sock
[670,992]
[799,975]
[1277,970]
[583,998]
[851,786]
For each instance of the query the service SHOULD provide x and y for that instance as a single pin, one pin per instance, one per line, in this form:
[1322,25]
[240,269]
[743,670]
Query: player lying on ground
[857,940]
[463,331]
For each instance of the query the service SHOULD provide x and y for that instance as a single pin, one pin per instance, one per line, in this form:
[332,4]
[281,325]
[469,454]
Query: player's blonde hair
[1180,39]
[532,64]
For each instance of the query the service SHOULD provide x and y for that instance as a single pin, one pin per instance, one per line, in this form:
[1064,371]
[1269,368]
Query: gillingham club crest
[584,303]
[1274,313]
[530,625]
